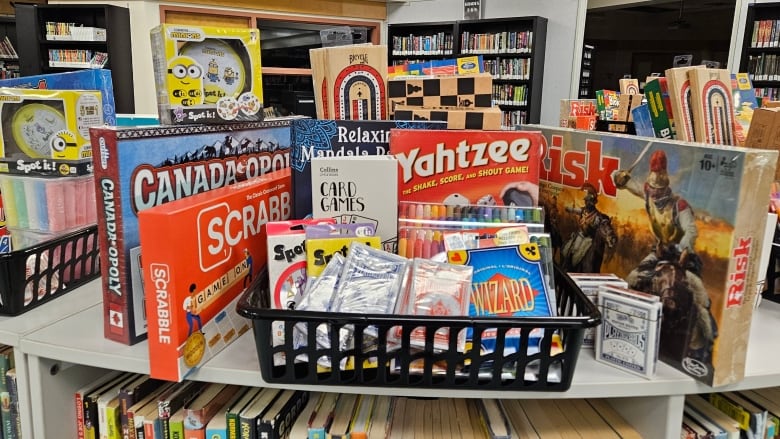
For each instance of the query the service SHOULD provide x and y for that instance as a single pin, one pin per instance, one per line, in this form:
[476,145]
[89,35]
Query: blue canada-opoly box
[87,79]
[137,168]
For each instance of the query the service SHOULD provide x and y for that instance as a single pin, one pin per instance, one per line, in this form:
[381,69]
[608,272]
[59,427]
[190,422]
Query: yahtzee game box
[679,220]
[142,167]
[207,74]
[468,166]
[200,253]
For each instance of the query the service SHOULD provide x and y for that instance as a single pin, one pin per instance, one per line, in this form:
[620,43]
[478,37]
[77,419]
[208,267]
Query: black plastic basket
[32,276]
[575,313]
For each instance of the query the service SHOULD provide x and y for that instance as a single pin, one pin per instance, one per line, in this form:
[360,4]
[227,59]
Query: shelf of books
[760,56]
[13,329]
[74,344]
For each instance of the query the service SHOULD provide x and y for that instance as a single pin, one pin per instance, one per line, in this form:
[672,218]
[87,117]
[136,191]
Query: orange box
[199,255]
[458,167]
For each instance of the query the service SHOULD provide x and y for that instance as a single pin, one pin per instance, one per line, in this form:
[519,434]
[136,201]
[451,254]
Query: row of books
[73,32]
[132,406]
[509,94]
[511,119]
[7,50]
[766,33]
[764,67]
[726,415]
[71,55]
[768,93]
[508,68]
[439,43]
[499,42]
[9,396]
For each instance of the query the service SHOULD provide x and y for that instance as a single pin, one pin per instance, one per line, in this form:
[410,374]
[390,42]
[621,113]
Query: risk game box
[467,167]
[142,167]
[200,253]
[333,138]
[679,220]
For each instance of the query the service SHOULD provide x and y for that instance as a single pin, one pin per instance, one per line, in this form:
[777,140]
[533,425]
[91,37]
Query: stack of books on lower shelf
[134,405]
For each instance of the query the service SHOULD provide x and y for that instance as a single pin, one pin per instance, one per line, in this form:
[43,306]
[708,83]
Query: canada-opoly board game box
[675,219]
[200,253]
[468,166]
[336,138]
[142,167]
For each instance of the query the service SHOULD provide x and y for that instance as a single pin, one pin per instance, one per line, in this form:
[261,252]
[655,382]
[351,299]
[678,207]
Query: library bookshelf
[65,351]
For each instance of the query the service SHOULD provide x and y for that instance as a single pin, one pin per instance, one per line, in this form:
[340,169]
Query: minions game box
[207,74]
[48,124]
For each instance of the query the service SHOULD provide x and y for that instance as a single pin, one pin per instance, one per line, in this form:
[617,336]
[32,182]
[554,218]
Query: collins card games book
[679,220]
[335,138]
[199,254]
[142,167]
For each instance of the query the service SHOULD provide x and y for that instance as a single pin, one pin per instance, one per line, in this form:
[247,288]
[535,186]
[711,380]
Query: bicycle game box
[141,167]
[200,253]
[727,190]
[462,167]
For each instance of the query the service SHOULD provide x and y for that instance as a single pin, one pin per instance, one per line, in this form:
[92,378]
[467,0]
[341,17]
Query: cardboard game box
[679,87]
[84,79]
[48,123]
[713,107]
[207,74]
[200,253]
[657,94]
[466,91]
[333,138]
[142,167]
[468,167]
[350,82]
[709,200]
[456,118]
[745,103]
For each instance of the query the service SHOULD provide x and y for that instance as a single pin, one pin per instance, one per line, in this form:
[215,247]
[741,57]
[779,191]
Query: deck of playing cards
[629,332]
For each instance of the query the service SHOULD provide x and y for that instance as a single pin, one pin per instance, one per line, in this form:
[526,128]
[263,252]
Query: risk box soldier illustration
[587,246]
[685,217]
[672,263]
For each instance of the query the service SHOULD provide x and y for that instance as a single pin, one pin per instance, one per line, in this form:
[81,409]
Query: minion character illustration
[212,73]
[230,76]
[60,142]
[185,82]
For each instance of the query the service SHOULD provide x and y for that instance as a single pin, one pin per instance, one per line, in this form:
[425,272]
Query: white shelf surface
[79,339]
[12,329]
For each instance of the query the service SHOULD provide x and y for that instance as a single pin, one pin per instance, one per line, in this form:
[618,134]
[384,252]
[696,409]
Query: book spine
[283,421]
[246,428]
[113,429]
[116,306]
[190,433]
[90,418]
[14,426]
[79,401]
[126,399]
[175,430]
[232,426]
[216,433]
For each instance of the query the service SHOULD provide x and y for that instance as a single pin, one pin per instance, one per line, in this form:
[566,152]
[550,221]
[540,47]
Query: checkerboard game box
[466,91]
[456,118]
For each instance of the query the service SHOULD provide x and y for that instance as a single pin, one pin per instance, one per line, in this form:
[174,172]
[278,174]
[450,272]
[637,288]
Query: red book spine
[79,416]
[116,318]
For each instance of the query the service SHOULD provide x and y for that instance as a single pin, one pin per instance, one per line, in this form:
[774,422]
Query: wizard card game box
[682,221]
[142,167]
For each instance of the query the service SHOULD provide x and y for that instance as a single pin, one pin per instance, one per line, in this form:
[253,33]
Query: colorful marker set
[48,204]
[470,213]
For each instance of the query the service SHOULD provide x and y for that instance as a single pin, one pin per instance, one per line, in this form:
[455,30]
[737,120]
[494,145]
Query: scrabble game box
[200,253]
[679,220]
[142,167]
